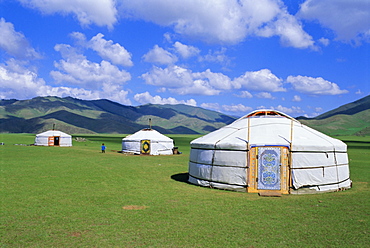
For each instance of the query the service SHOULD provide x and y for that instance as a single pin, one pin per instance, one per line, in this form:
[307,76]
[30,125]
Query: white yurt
[53,138]
[269,152]
[148,141]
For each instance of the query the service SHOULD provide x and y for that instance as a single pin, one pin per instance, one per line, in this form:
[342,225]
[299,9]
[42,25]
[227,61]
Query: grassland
[79,197]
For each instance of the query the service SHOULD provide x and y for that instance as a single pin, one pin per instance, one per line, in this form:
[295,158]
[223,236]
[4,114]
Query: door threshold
[271,194]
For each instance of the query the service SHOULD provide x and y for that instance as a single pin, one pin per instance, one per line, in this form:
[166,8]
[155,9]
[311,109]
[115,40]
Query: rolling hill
[73,115]
[349,119]
[352,108]
[103,116]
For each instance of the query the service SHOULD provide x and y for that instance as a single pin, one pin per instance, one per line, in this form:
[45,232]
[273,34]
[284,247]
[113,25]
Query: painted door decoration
[145,147]
[51,141]
[268,169]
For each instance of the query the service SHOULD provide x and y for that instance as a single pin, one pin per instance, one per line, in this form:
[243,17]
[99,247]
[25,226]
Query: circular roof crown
[267,113]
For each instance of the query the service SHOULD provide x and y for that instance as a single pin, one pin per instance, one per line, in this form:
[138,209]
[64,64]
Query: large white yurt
[53,138]
[148,141]
[269,152]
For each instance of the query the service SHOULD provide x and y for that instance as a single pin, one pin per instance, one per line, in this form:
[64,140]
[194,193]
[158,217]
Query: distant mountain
[349,119]
[73,115]
[352,108]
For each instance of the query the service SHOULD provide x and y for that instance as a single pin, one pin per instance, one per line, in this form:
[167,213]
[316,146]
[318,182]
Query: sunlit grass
[79,197]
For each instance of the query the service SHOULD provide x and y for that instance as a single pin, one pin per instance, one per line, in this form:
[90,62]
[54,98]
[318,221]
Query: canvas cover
[159,143]
[43,139]
[317,161]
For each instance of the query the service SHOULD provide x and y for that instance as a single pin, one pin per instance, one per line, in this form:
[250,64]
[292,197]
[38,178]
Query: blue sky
[302,57]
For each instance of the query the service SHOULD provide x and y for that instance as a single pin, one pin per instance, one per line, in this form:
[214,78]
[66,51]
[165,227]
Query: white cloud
[118,95]
[237,108]
[173,76]
[265,95]
[348,19]
[68,52]
[15,43]
[186,51]
[80,93]
[219,57]
[183,81]
[296,98]
[359,92]
[318,109]
[198,87]
[289,30]
[76,69]
[144,98]
[314,86]
[168,37]
[206,20]
[158,55]
[262,80]
[244,94]
[100,12]
[19,82]
[67,91]
[286,110]
[212,106]
[223,21]
[324,41]
[216,80]
[161,90]
[113,52]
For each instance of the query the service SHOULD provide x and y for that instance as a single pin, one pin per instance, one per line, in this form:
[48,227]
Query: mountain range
[74,116]
[349,119]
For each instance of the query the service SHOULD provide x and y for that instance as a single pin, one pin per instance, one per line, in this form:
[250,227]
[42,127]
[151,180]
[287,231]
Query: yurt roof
[147,134]
[50,133]
[266,128]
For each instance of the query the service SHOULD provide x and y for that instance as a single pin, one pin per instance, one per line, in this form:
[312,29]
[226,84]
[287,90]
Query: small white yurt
[53,138]
[269,152]
[149,142]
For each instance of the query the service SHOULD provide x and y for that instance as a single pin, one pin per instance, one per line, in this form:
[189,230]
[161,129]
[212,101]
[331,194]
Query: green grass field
[79,197]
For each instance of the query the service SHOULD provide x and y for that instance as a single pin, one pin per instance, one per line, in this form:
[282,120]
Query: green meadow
[78,197]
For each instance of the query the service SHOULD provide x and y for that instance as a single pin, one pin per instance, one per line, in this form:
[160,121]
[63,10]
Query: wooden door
[145,147]
[268,169]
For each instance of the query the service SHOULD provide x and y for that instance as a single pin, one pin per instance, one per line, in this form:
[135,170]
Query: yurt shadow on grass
[181,177]
[269,152]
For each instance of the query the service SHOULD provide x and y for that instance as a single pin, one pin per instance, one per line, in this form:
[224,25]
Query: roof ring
[267,112]
[264,112]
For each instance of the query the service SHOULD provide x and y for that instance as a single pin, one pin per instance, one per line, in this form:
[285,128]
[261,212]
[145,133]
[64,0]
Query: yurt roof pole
[291,134]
